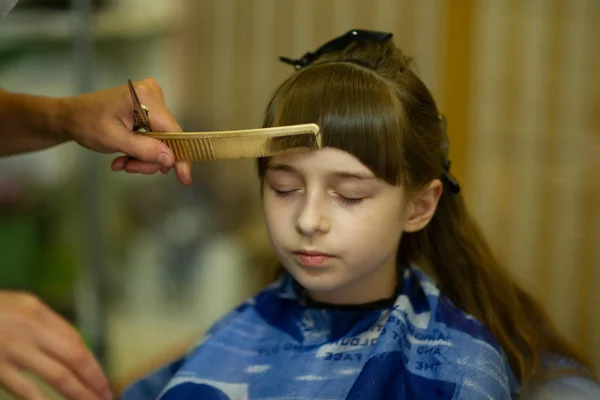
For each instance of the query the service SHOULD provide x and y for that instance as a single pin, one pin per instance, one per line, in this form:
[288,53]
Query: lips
[312,258]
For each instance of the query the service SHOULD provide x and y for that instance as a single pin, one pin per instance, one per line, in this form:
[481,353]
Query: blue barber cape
[275,346]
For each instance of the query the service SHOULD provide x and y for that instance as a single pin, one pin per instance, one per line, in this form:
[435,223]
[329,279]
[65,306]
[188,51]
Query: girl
[389,290]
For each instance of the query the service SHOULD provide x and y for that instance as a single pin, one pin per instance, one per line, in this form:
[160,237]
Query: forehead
[322,161]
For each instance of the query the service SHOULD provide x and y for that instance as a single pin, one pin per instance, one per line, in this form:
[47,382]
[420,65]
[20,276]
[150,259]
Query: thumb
[143,148]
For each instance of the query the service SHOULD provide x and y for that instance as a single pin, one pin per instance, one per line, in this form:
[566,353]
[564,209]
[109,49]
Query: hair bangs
[355,109]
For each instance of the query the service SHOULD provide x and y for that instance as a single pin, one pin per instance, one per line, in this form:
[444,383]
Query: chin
[317,280]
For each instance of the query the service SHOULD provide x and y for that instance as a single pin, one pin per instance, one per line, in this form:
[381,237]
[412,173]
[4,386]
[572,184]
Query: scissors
[141,122]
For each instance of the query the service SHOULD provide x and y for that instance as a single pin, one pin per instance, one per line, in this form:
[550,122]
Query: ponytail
[470,276]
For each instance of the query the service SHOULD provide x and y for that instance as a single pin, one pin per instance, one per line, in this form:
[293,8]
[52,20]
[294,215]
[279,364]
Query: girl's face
[335,226]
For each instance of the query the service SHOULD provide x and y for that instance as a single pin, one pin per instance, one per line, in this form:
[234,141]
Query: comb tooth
[181,150]
[197,150]
[202,144]
[177,147]
[203,147]
[170,145]
[173,146]
[191,150]
[212,150]
[188,150]
[200,150]
[207,152]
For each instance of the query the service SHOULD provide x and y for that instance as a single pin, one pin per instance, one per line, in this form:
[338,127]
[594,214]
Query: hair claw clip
[447,179]
[337,44]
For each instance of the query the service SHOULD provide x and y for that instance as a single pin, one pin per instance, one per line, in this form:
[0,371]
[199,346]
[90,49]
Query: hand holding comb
[223,145]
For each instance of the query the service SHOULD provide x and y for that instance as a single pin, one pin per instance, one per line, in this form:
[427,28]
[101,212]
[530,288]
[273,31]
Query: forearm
[29,123]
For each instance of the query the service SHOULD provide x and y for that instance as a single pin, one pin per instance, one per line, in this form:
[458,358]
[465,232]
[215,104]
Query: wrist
[60,118]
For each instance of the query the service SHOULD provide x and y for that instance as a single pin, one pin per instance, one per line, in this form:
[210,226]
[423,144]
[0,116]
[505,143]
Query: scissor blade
[140,113]
[136,101]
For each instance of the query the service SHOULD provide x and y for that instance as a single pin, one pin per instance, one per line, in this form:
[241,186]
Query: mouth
[309,258]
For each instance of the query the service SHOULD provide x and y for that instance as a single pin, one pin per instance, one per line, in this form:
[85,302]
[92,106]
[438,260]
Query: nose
[312,218]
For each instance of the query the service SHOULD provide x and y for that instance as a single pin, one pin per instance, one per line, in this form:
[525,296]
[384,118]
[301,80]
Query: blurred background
[143,265]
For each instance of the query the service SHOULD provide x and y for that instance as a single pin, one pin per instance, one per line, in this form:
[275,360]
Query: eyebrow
[337,174]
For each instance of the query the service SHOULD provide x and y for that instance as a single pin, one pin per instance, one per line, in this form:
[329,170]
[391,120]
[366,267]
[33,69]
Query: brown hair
[369,102]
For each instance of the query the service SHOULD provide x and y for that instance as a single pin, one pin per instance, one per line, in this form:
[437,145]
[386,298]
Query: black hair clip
[337,44]
[447,179]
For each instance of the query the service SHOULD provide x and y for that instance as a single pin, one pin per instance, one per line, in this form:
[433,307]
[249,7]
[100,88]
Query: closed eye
[350,200]
[283,193]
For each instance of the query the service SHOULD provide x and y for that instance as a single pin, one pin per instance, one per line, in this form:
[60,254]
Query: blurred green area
[38,250]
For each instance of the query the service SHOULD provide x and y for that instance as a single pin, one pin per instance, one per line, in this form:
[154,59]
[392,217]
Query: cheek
[275,214]
[377,231]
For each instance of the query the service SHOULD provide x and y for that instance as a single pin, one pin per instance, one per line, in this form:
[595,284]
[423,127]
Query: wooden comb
[249,143]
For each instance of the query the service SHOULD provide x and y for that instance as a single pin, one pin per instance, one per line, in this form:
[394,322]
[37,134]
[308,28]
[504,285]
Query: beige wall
[518,81]
[533,151]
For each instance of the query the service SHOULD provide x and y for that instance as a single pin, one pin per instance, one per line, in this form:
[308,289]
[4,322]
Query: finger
[60,378]
[183,171]
[136,166]
[119,163]
[18,385]
[130,165]
[151,95]
[140,147]
[161,119]
[62,342]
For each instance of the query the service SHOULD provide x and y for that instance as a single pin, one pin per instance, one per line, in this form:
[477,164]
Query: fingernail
[165,160]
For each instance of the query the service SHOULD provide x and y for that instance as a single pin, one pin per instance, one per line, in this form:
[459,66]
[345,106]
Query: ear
[421,207]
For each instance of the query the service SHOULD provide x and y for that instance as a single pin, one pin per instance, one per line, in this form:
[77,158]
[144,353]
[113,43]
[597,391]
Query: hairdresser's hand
[34,338]
[103,121]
